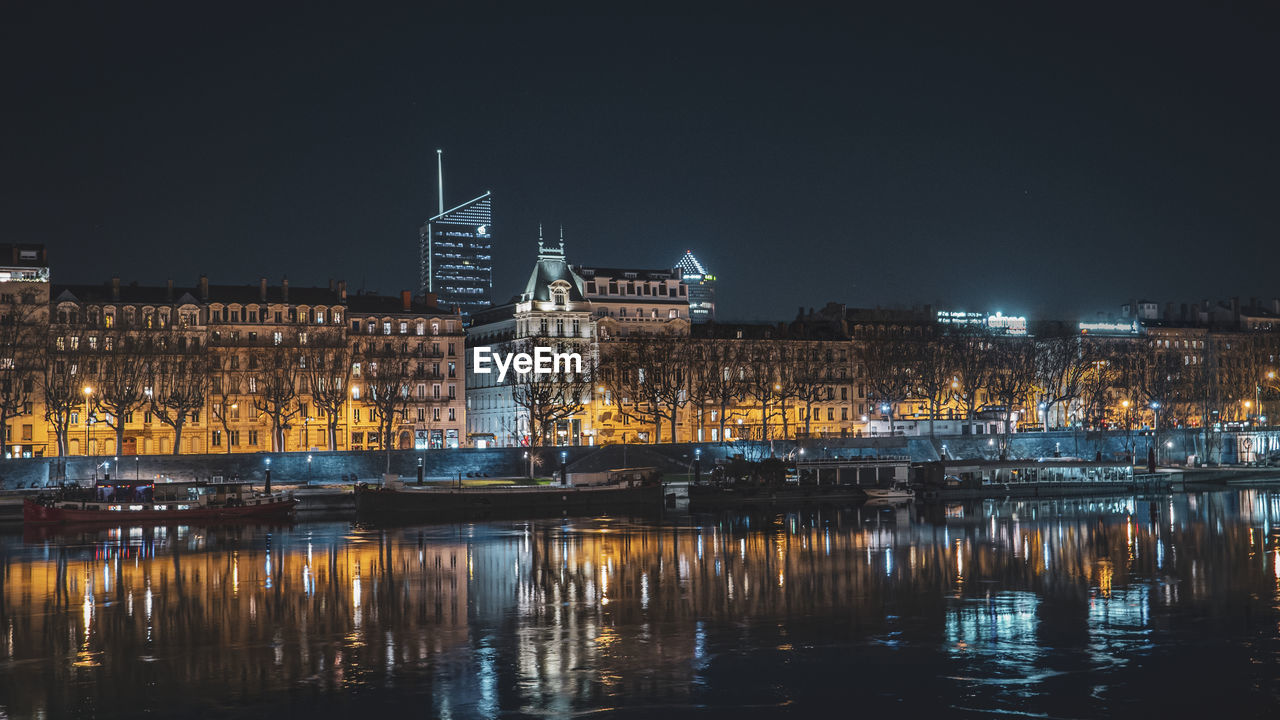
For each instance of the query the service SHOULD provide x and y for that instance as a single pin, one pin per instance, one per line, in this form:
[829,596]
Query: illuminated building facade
[126,369]
[630,301]
[702,289]
[552,312]
[456,256]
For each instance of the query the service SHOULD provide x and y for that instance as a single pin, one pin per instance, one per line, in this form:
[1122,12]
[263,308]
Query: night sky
[1054,159]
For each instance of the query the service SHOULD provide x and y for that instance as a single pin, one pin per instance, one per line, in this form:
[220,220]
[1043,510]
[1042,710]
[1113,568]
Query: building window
[216,438]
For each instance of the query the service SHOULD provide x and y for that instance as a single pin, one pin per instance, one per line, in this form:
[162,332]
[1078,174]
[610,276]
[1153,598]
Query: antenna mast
[440,178]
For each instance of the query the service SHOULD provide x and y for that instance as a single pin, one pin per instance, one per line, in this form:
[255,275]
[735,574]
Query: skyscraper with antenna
[455,251]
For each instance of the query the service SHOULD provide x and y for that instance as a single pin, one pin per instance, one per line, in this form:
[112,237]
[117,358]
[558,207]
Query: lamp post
[1128,428]
[88,393]
[267,487]
[1155,430]
[308,468]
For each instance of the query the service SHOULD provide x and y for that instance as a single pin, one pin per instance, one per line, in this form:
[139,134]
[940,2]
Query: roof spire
[440,179]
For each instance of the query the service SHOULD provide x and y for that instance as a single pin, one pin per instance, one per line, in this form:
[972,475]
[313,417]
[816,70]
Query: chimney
[332,288]
[204,288]
[284,288]
[115,289]
[342,290]
[1275,305]
[168,296]
[262,289]
[1235,309]
[406,300]
[433,299]
[1185,311]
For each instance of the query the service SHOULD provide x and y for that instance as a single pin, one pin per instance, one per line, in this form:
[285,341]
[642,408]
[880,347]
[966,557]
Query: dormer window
[560,293]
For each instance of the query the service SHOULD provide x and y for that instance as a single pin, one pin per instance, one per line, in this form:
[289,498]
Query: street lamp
[267,488]
[1155,430]
[88,392]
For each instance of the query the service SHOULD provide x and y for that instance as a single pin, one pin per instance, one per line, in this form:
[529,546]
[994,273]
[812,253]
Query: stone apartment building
[120,369]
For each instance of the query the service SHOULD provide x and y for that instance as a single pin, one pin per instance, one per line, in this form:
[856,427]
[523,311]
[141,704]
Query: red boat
[145,501]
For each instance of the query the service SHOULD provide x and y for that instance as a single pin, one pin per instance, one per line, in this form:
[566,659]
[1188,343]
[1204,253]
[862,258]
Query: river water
[1063,608]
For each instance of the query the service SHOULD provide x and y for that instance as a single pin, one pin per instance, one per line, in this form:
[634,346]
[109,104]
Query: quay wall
[368,466]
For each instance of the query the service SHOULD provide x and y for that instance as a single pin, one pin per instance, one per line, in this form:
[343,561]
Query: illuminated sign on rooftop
[1110,328]
[999,323]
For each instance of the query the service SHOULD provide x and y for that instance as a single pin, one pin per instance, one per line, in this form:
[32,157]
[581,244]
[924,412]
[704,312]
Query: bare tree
[328,371]
[120,380]
[552,397]
[225,376]
[931,372]
[1011,381]
[273,375]
[810,376]
[1164,386]
[21,356]
[886,365]
[762,379]
[62,387]
[643,377]
[179,384]
[719,376]
[970,354]
[1061,365]
[386,377]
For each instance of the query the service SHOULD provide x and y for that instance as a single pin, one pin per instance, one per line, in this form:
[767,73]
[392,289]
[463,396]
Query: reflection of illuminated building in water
[554,617]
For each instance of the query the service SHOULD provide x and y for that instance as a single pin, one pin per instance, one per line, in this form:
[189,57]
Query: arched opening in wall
[164,446]
[73,447]
[406,440]
[110,447]
[129,446]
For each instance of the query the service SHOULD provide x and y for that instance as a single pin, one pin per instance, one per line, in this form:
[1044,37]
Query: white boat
[896,491]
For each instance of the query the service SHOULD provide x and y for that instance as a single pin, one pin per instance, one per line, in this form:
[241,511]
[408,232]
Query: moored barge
[145,501]
[507,501]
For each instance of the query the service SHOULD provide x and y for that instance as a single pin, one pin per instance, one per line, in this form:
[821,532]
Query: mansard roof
[551,266]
